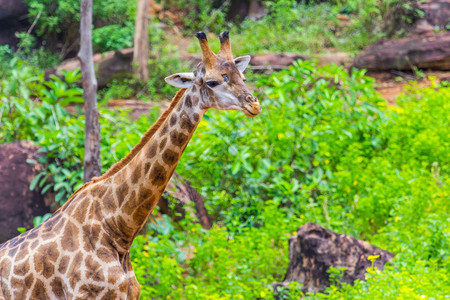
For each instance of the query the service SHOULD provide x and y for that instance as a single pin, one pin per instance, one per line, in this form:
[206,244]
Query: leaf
[347,133]
[35,181]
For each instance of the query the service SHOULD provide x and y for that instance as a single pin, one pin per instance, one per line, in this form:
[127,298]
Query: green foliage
[199,15]
[33,109]
[325,149]
[215,264]
[290,154]
[113,37]
[59,21]
[163,61]
[293,26]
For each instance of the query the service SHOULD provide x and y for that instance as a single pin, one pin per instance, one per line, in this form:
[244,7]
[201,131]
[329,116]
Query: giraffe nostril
[250,98]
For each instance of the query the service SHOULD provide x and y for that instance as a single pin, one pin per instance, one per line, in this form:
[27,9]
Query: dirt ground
[391,84]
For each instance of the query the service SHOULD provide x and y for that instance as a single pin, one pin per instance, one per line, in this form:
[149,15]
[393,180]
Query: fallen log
[424,52]
[314,249]
[180,190]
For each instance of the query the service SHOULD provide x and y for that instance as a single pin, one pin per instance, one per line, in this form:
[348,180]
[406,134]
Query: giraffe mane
[145,138]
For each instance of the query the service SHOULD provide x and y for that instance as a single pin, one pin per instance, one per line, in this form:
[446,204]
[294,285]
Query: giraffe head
[220,78]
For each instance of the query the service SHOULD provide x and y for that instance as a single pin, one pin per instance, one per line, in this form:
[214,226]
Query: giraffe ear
[181,80]
[242,62]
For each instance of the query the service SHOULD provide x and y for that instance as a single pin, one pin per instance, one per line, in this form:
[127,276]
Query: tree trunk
[92,165]
[141,48]
[314,249]
[180,190]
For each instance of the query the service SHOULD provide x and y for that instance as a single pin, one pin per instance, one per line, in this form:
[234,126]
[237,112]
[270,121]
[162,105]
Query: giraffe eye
[212,83]
[225,77]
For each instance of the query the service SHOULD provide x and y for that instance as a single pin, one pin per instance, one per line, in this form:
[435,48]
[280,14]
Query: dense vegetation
[289,26]
[326,149]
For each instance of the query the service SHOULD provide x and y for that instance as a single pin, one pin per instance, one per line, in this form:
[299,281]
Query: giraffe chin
[252,111]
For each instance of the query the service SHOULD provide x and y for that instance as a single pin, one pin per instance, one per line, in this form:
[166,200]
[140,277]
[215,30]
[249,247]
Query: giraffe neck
[136,188]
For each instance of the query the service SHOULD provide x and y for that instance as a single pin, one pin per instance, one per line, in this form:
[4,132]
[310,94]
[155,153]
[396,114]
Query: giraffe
[82,250]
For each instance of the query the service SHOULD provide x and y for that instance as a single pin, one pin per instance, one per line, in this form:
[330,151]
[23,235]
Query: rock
[18,205]
[12,20]
[338,58]
[108,65]
[274,61]
[424,52]
[422,27]
[437,12]
[314,249]
[180,190]
[12,9]
[256,10]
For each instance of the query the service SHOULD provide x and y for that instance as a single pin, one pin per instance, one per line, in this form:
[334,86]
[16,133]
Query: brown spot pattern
[22,269]
[44,259]
[29,281]
[23,251]
[186,123]
[123,226]
[99,190]
[188,101]
[158,174]
[57,288]
[63,264]
[90,291]
[69,239]
[74,272]
[105,255]
[178,139]
[94,269]
[170,156]
[144,194]
[121,192]
[151,151]
[173,120]
[114,274]
[109,295]
[137,173]
[147,168]
[162,144]
[90,235]
[39,291]
[164,130]
[196,117]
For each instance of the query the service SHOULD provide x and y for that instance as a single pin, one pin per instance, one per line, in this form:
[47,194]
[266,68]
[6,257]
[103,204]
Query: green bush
[33,109]
[325,149]
[59,22]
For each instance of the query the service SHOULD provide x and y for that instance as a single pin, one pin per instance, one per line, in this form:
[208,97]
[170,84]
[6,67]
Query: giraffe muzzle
[251,107]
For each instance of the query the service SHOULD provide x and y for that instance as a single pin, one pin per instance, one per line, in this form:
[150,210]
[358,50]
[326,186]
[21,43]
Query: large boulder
[12,20]
[314,249]
[12,9]
[18,205]
[437,12]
